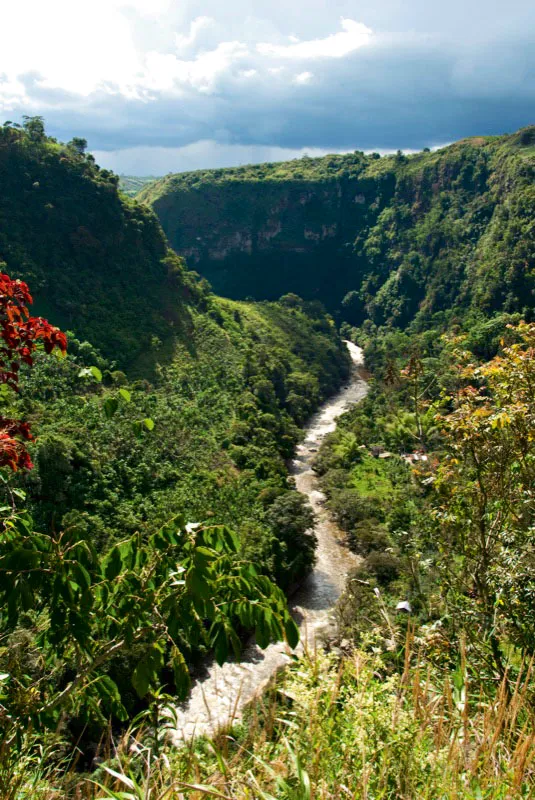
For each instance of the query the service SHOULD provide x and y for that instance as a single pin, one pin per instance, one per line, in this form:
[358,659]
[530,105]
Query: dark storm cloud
[243,82]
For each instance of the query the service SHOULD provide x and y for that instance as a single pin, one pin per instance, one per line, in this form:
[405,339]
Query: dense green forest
[391,239]
[428,691]
[184,447]
[158,524]
[95,261]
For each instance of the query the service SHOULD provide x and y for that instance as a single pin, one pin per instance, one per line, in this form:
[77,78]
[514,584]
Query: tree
[291,300]
[353,307]
[292,520]
[34,127]
[487,509]
[414,374]
[78,145]
[182,587]
[20,334]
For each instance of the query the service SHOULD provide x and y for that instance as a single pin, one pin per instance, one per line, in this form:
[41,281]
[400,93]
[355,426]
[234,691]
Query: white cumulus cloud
[183,41]
[167,72]
[337,45]
[303,77]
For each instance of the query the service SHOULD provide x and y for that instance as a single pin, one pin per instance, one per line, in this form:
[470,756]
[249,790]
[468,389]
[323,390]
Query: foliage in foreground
[20,334]
[394,732]
[146,601]
[89,624]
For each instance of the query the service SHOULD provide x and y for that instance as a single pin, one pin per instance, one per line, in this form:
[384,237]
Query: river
[219,698]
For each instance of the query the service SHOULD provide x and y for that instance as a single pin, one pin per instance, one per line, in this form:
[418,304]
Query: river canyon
[218,699]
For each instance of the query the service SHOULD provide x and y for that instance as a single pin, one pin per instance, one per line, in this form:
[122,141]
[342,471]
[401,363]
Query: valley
[394,239]
[267,521]
[218,700]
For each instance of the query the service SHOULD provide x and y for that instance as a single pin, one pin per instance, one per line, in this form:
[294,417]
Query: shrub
[368,537]
[385,567]
[349,507]
[291,520]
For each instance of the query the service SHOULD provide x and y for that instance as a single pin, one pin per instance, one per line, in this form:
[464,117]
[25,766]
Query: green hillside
[132,184]
[406,236]
[96,262]
[226,383]
[197,430]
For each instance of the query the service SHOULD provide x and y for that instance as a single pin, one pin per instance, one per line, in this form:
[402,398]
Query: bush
[349,507]
[291,519]
[368,537]
[385,567]
[357,611]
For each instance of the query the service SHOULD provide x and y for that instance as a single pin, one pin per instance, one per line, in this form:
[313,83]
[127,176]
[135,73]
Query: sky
[166,85]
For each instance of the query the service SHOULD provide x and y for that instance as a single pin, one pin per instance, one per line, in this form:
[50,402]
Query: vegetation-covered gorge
[391,238]
[158,523]
[224,416]
[208,441]
[428,690]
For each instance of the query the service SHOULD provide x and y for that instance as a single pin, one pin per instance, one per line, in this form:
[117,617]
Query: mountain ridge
[96,261]
[403,234]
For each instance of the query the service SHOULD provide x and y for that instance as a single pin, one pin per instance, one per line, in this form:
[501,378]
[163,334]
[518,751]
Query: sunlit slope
[96,261]
[133,184]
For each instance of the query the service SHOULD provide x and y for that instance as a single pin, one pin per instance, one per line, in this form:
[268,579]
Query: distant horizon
[156,86]
[303,153]
[219,161]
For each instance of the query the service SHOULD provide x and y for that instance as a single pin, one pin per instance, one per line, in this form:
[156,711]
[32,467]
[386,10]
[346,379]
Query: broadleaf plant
[90,608]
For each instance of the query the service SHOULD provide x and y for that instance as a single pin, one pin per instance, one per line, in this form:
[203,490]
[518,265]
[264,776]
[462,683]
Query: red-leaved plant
[20,334]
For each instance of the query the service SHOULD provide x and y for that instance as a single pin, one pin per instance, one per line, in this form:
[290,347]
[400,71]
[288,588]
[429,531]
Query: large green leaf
[111,696]
[111,404]
[221,645]
[147,670]
[81,575]
[262,634]
[181,674]
[112,564]
[291,631]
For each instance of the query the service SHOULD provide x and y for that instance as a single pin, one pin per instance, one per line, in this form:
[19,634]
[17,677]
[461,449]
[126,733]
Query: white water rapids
[218,699]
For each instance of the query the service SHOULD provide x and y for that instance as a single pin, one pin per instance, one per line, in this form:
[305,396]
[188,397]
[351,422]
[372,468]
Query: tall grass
[338,728]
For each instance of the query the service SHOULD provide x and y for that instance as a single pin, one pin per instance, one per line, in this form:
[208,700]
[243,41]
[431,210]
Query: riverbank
[218,700]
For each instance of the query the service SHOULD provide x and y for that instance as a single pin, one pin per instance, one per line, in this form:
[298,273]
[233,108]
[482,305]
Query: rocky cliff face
[262,239]
[404,235]
[251,220]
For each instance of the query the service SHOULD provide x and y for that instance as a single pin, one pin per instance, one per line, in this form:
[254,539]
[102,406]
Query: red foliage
[20,334]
